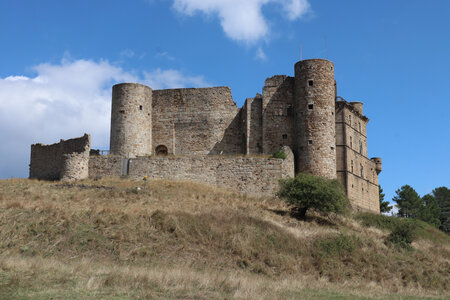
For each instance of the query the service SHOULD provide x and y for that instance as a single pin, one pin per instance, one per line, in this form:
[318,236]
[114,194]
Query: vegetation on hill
[115,238]
[432,208]
[306,191]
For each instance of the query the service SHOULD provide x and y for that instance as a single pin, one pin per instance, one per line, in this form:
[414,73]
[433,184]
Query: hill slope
[111,239]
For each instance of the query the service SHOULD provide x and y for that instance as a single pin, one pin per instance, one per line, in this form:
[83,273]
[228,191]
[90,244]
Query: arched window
[161,150]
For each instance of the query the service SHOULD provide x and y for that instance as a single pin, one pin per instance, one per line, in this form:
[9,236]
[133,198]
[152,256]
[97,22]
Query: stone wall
[107,165]
[196,121]
[278,113]
[358,173]
[67,160]
[254,175]
[252,125]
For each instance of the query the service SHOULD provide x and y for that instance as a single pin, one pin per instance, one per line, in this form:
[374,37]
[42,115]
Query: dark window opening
[140,107]
[161,150]
[310,82]
[360,147]
[351,142]
[284,136]
[359,127]
[310,142]
[362,170]
[332,148]
[352,165]
[122,111]
[310,106]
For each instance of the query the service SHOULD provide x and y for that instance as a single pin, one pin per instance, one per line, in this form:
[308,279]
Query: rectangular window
[310,106]
[310,142]
[310,82]
[284,136]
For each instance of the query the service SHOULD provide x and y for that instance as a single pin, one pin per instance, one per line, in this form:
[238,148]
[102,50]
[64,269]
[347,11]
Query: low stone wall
[254,175]
[67,160]
[109,165]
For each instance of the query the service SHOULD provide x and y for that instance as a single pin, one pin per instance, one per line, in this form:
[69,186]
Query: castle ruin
[200,134]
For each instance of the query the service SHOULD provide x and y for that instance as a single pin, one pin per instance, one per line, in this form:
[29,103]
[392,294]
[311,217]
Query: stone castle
[200,134]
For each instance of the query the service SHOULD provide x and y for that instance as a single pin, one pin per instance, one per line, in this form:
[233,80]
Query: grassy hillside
[109,239]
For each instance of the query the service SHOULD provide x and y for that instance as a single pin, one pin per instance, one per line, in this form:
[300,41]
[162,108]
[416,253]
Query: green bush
[279,154]
[339,245]
[307,191]
[403,235]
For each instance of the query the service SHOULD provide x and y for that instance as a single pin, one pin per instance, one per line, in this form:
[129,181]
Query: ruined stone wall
[278,114]
[67,160]
[196,121]
[356,171]
[107,165]
[254,175]
[315,120]
[252,125]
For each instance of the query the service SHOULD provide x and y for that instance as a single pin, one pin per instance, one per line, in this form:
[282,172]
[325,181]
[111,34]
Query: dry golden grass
[107,238]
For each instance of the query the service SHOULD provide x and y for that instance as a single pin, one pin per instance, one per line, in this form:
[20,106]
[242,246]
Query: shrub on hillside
[306,191]
[279,154]
[403,235]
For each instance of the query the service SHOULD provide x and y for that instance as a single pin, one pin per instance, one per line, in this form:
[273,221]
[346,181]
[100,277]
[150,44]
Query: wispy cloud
[127,53]
[65,100]
[260,54]
[164,55]
[242,20]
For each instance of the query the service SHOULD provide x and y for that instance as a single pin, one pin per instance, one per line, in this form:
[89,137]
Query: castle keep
[200,134]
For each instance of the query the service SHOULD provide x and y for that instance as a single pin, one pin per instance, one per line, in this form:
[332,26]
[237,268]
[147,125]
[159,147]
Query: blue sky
[58,60]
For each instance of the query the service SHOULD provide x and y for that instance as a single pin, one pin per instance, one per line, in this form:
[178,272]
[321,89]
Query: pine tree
[442,195]
[384,205]
[408,201]
[430,212]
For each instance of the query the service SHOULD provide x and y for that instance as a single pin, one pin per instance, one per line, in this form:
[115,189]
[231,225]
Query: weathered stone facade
[66,160]
[200,134]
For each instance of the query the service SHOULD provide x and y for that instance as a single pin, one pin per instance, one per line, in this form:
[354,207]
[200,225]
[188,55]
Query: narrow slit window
[140,107]
[310,106]
[310,82]
[351,142]
[352,165]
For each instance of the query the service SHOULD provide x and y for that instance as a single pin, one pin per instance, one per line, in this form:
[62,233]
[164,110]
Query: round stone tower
[131,120]
[315,121]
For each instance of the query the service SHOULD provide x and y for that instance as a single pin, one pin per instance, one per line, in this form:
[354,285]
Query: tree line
[432,208]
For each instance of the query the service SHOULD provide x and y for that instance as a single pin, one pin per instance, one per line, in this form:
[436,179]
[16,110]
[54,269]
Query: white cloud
[260,54]
[164,79]
[63,101]
[242,20]
[127,53]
